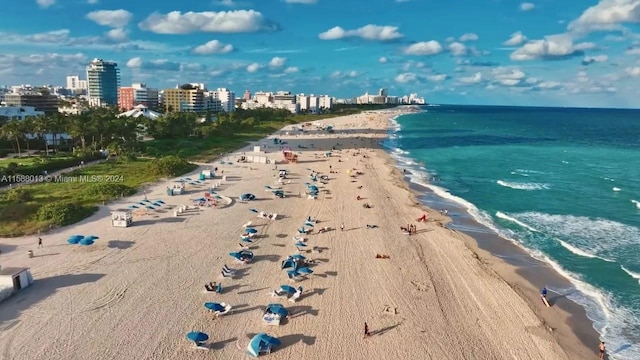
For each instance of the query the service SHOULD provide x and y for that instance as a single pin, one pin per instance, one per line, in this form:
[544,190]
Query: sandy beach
[137,291]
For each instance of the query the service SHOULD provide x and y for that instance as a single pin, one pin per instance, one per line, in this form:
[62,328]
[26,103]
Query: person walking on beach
[601,347]
[39,242]
[342,227]
[366,330]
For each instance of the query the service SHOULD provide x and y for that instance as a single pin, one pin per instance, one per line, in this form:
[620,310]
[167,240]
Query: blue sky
[544,52]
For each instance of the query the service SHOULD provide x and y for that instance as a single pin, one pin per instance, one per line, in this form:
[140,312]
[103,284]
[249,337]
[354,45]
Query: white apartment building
[3,92]
[314,103]
[227,99]
[77,85]
[303,100]
[19,112]
[263,98]
[325,102]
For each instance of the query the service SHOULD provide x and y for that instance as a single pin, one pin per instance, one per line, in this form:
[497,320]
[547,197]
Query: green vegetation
[176,139]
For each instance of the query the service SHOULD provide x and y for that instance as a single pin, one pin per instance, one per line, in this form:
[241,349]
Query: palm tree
[41,126]
[78,126]
[13,131]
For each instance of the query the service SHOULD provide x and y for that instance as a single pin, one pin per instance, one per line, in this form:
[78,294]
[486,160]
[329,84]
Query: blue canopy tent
[214,306]
[197,337]
[261,344]
[251,230]
[75,239]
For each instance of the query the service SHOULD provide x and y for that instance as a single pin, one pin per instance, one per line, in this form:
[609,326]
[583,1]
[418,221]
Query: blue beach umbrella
[197,336]
[300,243]
[160,201]
[214,306]
[288,289]
[133,207]
[310,224]
[75,239]
[288,264]
[251,230]
[254,210]
[86,241]
[304,271]
[261,342]
[277,309]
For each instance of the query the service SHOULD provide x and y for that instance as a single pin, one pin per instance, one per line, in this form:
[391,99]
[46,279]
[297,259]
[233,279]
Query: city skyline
[494,52]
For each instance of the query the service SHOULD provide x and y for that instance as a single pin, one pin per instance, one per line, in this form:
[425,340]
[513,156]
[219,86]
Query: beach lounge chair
[228,269]
[296,296]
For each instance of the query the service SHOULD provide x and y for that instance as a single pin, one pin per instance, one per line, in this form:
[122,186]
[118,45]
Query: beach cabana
[122,218]
[14,279]
[243,256]
[274,314]
[262,344]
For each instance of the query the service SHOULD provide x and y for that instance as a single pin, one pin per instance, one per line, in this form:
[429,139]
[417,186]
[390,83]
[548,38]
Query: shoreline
[431,298]
[524,274]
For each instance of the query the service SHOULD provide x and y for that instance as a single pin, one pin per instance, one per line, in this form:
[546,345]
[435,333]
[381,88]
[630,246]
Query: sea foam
[523,186]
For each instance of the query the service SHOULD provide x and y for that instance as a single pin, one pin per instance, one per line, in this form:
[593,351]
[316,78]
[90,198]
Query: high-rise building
[137,94]
[227,99]
[247,95]
[384,92]
[76,85]
[325,102]
[103,80]
[303,100]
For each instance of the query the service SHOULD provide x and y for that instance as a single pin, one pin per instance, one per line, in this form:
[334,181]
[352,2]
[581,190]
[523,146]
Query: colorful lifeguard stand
[289,156]
[121,218]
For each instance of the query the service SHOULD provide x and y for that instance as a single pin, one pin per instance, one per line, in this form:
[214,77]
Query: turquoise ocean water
[562,183]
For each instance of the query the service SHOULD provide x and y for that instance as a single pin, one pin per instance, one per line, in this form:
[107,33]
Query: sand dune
[139,290]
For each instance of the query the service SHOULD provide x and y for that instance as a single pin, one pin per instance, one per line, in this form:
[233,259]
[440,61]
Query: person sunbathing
[379,256]
[371,226]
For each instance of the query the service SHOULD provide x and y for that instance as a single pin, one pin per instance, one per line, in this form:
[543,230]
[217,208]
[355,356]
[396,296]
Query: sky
[493,52]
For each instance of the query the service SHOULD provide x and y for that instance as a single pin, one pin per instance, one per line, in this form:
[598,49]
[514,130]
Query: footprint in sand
[420,286]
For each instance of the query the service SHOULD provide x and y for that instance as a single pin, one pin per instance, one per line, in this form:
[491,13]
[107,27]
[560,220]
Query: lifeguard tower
[121,218]
[289,156]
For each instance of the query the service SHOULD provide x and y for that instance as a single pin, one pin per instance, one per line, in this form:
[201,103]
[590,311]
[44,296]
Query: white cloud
[549,85]
[438,77]
[594,59]
[406,77]
[606,15]
[383,60]
[431,47]
[45,3]
[508,73]
[526,6]
[237,21]
[213,47]
[343,74]
[457,49]
[118,35]
[476,78]
[112,18]
[253,67]
[468,37]
[516,39]
[367,32]
[277,62]
[554,46]
[135,62]
[291,70]
[307,2]
[633,71]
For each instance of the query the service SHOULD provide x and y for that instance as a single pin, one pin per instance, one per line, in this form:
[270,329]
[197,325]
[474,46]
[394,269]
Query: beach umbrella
[197,336]
[146,201]
[254,210]
[246,253]
[245,239]
[287,264]
[86,241]
[292,273]
[302,230]
[300,243]
[288,289]
[75,239]
[251,230]
[150,207]
[133,207]
[235,255]
[304,271]
[277,309]
[298,257]
[308,223]
[261,342]
[160,201]
[214,306]
[188,179]
[142,203]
